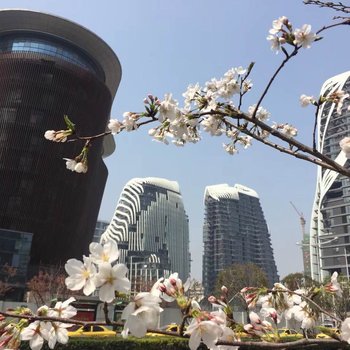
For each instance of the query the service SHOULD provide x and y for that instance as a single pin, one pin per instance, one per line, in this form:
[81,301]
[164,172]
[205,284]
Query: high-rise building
[51,67]
[330,219]
[100,228]
[14,258]
[150,226]
[235,231]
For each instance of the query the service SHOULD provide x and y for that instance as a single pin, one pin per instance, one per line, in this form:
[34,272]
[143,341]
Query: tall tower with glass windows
[235,231]
[330,219]
[150,225]
[51,67]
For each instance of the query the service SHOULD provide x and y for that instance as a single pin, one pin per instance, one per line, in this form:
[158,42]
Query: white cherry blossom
[80,167]
[207,331]
[345,146]
[141,314]
[57,136]
[168,109]
[129,121]
[111,279]
[57,333]
[306,100]
[262,114]
[274,42]
[345,330]
[278,24]
[115,126]
[212,125]
[290,130]
[63,309]
[304,36]
[334,285]
[230,148]
[228,335]
[70,164]
[338,98]
[81,275]
[101,253]
[36,332]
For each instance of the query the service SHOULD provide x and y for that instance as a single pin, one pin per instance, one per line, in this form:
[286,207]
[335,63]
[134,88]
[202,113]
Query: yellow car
[283,333]
[335,331]
[173,327]
[90,331]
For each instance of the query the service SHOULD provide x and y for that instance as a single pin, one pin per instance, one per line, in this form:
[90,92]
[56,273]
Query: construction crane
[304,243]
[302,219]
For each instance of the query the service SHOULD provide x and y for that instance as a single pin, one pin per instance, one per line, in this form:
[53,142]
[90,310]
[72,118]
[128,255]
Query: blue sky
[165,45]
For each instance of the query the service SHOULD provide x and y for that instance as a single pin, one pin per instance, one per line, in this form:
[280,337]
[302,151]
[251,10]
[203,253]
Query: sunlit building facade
[235,231]
[330,220]
[150,226]
[51,67]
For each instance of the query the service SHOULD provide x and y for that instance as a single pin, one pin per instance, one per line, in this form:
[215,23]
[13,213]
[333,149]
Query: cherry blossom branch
[319,159]
[284,62]
[287,58]
[32,318]
[290,151]
[333,5]
[105,311]
[315,128]
[316,305]
[287,345]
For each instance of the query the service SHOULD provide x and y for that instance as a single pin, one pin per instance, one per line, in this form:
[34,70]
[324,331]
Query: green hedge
[147,343]
[113,343]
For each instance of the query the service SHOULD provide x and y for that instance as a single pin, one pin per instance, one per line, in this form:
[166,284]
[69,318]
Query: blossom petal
[195,340]
[136,326]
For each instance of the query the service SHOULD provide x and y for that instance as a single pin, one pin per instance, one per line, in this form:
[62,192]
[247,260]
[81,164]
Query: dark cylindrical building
[50,67]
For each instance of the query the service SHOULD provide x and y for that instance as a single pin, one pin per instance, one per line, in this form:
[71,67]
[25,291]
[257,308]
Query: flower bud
[224,289]
[212,299]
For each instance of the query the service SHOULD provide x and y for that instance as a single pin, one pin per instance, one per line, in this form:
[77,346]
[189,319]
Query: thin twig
[293,344]
[332,5]
[288,57]
[315,128]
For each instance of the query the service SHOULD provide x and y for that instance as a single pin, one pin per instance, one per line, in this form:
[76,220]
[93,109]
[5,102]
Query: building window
[25,163]
[8,115]
[36,117]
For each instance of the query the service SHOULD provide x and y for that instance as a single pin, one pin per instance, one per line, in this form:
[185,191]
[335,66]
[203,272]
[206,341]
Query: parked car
[90,331]
[325,336]
[283,333]
[172,327]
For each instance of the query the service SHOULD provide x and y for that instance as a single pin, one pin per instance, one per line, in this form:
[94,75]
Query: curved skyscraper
[150,226]
[330,221]
[235,231]
[50,67]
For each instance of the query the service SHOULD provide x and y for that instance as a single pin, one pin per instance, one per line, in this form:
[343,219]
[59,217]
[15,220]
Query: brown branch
[346,22]
[328,4]
[326,161]
[315,127]
[288,57]
[106,133]
[105,311]
[293,344]
[288,151]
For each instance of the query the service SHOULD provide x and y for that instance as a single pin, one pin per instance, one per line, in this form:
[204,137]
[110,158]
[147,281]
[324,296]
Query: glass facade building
[15,252]
[235,231]
[100,228]
[150,226]
[51,67]
[330,220]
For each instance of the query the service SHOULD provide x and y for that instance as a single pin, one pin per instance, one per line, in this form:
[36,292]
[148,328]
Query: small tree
[298,280]
[238,276]
[8,274]
[48,285]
